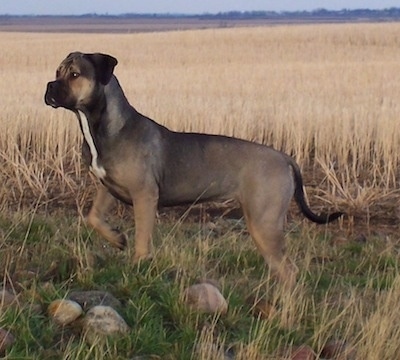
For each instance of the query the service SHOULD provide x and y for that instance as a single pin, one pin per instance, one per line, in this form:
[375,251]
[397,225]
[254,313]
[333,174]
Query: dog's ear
[104,65]
[74,54]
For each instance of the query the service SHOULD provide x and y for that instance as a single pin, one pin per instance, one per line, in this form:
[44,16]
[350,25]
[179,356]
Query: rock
[7,300]
[205,298]
[211,282]
[88,299]
[337,349]
[103,320]
[6,341]
[302,352]
[64,312]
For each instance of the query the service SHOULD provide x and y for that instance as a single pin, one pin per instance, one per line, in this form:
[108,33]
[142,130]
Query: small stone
[64,312]
[6,340]
[302,352]
[337,349]
[103,320]
[205,298]
[88,299]
[7,300]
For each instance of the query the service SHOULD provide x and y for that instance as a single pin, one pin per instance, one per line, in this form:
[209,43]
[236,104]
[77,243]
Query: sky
[115,7]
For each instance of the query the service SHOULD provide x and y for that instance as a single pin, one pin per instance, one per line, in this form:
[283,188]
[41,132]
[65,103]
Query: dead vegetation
[324,93]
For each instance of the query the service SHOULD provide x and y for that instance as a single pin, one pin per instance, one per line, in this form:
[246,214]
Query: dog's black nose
[50,85]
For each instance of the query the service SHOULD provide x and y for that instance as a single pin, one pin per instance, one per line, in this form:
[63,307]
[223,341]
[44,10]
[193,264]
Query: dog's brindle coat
[144,164]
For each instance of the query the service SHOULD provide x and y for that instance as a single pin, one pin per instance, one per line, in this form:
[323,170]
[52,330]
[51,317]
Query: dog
[142,163]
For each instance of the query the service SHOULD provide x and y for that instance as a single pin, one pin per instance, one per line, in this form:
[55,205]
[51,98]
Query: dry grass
[327,94]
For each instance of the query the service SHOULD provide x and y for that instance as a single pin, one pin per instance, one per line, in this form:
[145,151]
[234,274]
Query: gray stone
[88,299]
[6,341]
[206,298]
[7,300]
[102,321]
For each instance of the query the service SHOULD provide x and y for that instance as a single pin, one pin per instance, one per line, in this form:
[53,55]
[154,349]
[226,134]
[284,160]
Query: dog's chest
[95,166]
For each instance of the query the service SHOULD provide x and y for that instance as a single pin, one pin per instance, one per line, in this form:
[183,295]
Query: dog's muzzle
[49,97]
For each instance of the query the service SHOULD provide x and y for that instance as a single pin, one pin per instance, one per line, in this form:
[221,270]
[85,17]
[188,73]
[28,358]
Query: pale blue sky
[77,7]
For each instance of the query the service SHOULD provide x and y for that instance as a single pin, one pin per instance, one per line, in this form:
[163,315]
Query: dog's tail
[301,201]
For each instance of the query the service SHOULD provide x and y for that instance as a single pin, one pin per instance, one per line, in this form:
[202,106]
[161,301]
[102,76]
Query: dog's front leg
[95,219]
[145,209]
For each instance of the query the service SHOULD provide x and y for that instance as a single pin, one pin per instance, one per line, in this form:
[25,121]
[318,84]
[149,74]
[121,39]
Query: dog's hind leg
[95,219]
[269,240]
[265,215]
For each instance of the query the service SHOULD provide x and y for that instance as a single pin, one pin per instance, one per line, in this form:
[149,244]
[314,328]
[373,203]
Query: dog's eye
[75,75]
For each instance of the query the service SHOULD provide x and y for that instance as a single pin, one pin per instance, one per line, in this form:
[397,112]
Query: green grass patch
[339,290]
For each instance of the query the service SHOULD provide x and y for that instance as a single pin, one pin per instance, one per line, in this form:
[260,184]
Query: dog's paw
[139,258]
[120,240]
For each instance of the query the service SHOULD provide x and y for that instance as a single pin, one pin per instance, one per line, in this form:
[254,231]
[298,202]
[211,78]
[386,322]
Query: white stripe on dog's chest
[95,167]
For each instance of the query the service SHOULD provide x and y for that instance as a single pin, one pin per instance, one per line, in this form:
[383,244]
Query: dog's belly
[167,200]
[193,190]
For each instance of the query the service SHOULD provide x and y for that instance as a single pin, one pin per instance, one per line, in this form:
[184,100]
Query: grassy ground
[326,94]
[347,290]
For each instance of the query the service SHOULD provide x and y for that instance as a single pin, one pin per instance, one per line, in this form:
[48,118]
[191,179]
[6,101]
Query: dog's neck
[118,107]
[107,115]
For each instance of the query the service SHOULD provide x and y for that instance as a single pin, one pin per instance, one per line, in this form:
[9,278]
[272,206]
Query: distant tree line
[390,13]
[318,13]
[345,14]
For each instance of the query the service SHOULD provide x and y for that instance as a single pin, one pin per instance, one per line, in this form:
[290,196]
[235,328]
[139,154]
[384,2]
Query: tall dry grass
[326,94]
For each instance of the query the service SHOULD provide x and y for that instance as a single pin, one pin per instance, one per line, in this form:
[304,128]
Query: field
[326,94]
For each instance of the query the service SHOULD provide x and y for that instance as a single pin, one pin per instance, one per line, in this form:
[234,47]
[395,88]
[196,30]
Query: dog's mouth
[51,100]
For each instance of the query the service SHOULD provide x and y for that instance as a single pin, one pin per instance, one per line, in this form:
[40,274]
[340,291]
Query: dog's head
[79,80]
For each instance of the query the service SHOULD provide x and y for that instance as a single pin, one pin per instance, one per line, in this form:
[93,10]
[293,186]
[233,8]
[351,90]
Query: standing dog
[144,164]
